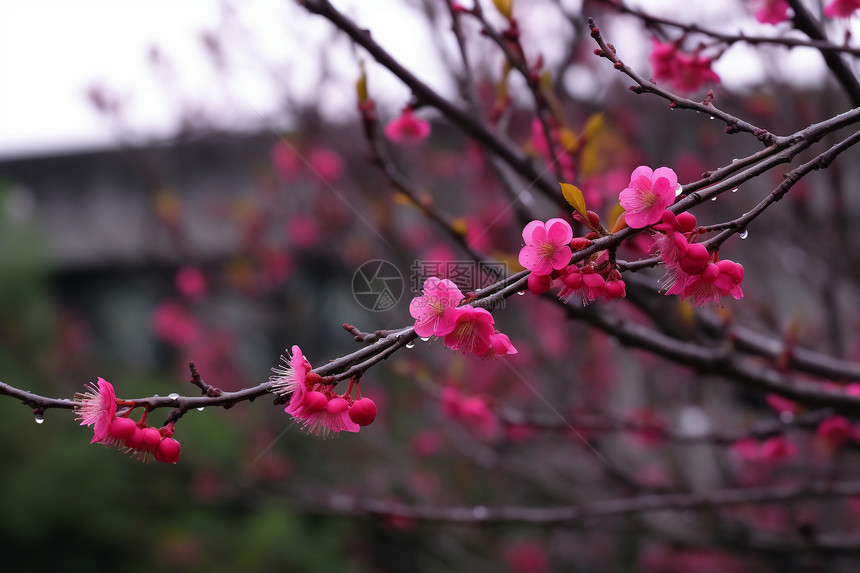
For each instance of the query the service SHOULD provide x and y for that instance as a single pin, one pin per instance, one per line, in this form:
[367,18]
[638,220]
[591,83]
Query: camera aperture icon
[377,285]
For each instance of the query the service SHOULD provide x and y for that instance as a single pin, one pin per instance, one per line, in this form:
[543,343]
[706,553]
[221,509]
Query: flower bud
[168,451]
[122,428]
[337,406]
[363,411]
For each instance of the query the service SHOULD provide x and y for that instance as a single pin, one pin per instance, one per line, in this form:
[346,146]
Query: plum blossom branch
[822,45]
[733,124]
[428,95]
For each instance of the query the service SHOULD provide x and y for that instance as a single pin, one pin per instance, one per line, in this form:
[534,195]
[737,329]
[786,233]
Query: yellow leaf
[460,226]
[593,125]
[614,213]
[568,140]
[620,223]
[573,195]
[505,7]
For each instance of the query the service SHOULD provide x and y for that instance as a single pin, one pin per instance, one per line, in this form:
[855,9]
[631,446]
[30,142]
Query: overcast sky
[53,51]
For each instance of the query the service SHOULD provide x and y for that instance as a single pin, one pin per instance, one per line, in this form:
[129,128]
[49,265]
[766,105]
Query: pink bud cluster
[691,271]
[686,71]
[313,401]
[439,312]
[98,406]
[547,253]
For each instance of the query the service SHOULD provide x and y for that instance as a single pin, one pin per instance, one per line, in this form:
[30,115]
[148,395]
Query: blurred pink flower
[834,431]
[771,11]
[841,8]
[285,160]
[686,71]
[407,128]
[327,163]
[190,282]
[172,323]
[527,558]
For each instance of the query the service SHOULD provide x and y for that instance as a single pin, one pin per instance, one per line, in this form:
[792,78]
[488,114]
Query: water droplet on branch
[200,409]
[173,396]
[521,293]
[40,418]
[410,344]
[744,234]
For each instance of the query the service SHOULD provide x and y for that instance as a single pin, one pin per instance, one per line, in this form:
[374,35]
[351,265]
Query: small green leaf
[573,195]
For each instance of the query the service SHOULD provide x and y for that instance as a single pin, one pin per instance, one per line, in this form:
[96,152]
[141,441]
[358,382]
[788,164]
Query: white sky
[53,51]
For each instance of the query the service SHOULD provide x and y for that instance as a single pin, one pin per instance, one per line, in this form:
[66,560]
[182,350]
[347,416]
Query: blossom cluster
[547,254]
[98,408]
[686,71]
[313,401]
[691,270]
[439,312]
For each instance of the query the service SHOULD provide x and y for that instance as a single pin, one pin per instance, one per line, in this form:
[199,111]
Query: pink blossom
[472,332]
[717,279]
[407,128]
[771,11]
[834,431]
[841,8]
[312,402]
[500,345]
[190,282]
[527,558]
[692,71]
[97,407]
[435,312]
[333,418]
[662,59]
[777,449]
[546,246]
[781,404]
[172,322]
[687,72]
[473,411]
[303,231]
[285,160]
[326,163]
[648,195]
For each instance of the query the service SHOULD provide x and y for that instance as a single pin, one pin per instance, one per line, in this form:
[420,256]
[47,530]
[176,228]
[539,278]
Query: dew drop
[744,234]
[173,396]
[713,198]
[200,409]
[410,344]
[425,338]
[735,190]
[735,159]
[521,293]
[40,418]
[712,117]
